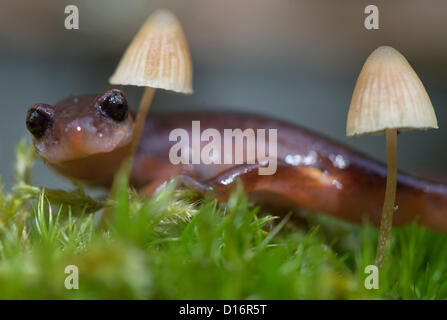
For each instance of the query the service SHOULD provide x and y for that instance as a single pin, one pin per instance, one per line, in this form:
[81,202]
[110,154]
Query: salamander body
[87,137]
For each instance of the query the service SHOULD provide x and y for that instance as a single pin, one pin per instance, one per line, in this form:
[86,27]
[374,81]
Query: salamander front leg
[180,180]
[193,184]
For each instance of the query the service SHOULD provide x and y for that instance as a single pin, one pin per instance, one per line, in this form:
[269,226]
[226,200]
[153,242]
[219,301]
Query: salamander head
[80,127]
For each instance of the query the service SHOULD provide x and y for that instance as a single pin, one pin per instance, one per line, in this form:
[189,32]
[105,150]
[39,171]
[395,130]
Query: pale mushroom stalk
[140,118]
[388,96]
[390,196]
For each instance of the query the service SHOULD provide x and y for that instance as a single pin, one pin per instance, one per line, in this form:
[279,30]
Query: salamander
[87,137]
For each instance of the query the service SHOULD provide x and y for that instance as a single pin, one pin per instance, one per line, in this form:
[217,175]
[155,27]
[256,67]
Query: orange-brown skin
[313,172]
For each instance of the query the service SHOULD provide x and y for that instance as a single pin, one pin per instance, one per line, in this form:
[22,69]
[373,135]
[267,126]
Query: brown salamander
[87,137]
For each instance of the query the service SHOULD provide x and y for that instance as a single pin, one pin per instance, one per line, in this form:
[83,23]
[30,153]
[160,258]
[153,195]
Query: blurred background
[293,59]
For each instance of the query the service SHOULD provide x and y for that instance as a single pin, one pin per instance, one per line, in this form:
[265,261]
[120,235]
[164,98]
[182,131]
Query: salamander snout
[38,119]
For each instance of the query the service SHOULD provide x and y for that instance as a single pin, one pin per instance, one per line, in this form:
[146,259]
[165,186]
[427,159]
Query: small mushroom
[388,96]
[158,57]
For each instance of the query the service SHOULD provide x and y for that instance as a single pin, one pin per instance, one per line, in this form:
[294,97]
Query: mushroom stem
[126,164]
[145,104]
[390,196]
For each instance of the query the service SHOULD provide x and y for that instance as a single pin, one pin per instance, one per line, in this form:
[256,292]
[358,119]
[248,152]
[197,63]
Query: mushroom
[388,97]
[158,57]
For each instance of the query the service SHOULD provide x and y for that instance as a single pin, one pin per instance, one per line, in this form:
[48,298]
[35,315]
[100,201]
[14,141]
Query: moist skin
[313,172]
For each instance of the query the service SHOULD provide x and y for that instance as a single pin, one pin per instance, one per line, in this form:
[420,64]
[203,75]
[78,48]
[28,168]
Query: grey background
[297,60]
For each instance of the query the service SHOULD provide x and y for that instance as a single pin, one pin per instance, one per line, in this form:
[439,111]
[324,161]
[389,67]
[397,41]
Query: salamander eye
[38,119]
[114,104]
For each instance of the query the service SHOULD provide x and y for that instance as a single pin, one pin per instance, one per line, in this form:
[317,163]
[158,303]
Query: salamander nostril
[38,119]
[114,104]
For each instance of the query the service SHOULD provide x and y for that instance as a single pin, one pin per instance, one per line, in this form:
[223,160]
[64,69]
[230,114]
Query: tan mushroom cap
[389,95]
[158,56]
